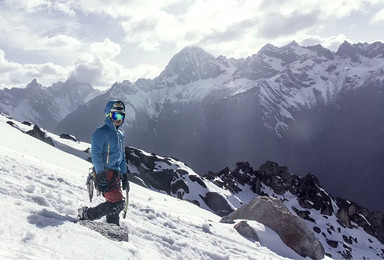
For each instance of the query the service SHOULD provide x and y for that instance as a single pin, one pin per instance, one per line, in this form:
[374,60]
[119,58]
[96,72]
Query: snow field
[40,185]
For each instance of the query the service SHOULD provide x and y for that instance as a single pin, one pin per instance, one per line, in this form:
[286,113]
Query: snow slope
[40,185]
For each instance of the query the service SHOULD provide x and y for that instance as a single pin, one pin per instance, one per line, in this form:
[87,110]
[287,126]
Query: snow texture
[40,186]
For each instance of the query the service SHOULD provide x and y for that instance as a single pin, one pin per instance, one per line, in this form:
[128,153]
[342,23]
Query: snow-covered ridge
[290,78]
[40,185]
[318,209]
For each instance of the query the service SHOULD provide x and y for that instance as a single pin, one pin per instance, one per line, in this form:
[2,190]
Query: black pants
[108,209]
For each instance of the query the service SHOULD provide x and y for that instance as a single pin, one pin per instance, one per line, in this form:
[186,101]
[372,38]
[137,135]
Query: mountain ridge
[292,104]
[345,229]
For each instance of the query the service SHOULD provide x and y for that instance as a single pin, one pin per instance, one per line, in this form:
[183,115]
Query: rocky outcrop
[308,189]
[153,171]
[40,134]
[36,132]
[371,221]
[307,199]
[294,232]
[175,178]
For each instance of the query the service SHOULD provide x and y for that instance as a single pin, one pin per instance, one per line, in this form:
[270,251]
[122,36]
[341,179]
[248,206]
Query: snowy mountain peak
[321,51]
[34,84]
[367,50]
[189,65]
[292,44]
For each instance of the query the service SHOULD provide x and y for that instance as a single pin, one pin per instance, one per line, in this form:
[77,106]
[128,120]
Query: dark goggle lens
[117,116]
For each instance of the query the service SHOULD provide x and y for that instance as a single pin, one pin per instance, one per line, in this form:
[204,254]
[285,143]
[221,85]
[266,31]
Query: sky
[103,42]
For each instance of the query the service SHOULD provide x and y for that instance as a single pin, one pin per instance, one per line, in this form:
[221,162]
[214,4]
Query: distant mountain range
[307,107]
[46,106]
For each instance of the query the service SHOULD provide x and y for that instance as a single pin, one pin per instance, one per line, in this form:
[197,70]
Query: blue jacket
[107,148]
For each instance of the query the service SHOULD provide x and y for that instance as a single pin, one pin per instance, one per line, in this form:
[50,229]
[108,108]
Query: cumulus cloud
[98,66]
[88,39]
[91,72]
[17,75]
[107,49]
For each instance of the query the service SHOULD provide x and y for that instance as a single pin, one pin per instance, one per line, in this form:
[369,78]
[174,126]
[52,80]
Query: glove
[125,182]
[101,181]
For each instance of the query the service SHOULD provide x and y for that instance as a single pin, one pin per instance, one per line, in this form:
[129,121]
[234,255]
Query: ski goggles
[116,116]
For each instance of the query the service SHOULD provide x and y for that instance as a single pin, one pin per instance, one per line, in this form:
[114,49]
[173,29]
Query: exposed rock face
[217,203]
[161,178]
[311,202]
[175,178]
[310,196]
[40,134]
[371,221]
[295,233]
[245,230]
[307,189]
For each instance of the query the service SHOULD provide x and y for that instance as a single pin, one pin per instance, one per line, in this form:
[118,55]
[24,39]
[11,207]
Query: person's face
[117,122]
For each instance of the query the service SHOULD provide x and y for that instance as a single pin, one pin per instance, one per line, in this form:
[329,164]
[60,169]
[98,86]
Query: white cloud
[98,66]
[331,43]
[33,6]
[58,41]
[17,75]
[143,71]
[66,32]
[378,17]
[107,49]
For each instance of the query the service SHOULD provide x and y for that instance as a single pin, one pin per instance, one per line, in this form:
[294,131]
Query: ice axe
[126,202]
[91,183]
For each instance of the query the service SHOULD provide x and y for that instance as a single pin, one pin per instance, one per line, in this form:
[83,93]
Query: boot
[82,213]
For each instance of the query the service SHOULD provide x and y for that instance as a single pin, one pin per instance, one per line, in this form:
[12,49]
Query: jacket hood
[107,110]
[110,104]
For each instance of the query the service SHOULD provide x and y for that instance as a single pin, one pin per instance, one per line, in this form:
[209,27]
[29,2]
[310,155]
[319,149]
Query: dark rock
[10,123]
[332,243]
[40,134]
[27,123]
[216,202]
[348,240]
[371,221]
[245,230]
[68,137]
[304,214]
[226,220]
[343,216]
[197,179]
[179,188]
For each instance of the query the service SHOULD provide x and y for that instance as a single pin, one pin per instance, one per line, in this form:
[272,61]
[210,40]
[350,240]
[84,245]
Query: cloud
[331,43]
[58,41]
[35,6]
[148,71]
[17,75]
[276,24]
[90,72]
[107,49]
[378,17]
[94,38]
